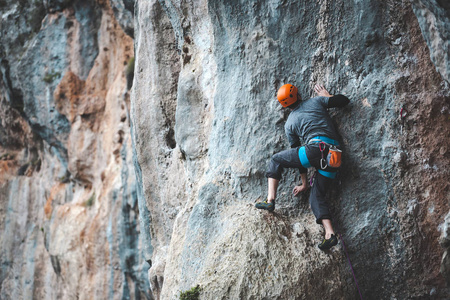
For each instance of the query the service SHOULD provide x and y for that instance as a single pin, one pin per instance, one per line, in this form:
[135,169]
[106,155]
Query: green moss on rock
[192,294]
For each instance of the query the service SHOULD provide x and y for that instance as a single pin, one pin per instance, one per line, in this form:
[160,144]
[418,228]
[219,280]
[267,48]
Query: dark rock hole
[170,138]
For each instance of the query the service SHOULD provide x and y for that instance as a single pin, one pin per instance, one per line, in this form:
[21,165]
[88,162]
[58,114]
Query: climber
[310,123]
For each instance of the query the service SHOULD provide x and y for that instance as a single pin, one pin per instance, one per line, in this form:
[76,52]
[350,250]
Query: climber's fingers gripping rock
[321,91]
[299,188]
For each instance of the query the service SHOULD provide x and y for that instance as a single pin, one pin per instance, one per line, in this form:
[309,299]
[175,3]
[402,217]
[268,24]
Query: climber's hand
[321,91]
[299,188]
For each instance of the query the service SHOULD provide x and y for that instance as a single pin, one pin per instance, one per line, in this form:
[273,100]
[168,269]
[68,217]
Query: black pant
[290,159]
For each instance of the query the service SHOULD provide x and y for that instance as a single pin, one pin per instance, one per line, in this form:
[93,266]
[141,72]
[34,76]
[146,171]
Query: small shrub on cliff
[90,201]
[50,77]
[191,294]
[129,72]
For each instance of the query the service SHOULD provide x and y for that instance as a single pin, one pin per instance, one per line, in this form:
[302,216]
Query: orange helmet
[287,95]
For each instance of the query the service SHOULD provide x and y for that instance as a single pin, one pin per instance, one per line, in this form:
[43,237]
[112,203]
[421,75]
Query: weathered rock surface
[206,122]
[124,12]
[434,21]
[445,243]
[68,195]
[93,207]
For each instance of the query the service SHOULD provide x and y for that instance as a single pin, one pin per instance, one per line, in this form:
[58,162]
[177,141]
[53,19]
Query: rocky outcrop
[124,12]
[206,122]
[68,195]
[141,194]
[434,21]
[445,242]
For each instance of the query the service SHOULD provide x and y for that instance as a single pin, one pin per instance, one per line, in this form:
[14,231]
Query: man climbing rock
[310,123]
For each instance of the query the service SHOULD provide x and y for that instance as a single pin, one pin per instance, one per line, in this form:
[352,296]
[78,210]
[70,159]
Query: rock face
[434,21]
[111,193]
[68,195]
[206,122]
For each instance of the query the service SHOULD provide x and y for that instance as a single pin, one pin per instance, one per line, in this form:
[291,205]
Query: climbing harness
[333,158]
[323,162]
[403,114]
[303,158]
[324,139]
[334,153]
[330,175]
[305,163]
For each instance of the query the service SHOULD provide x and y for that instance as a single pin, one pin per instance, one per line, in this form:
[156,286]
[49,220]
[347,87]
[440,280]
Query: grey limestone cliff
[206,122]
[120,188]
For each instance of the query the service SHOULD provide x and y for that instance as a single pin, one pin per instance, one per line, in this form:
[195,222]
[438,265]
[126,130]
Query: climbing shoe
[327,244]
[270,206]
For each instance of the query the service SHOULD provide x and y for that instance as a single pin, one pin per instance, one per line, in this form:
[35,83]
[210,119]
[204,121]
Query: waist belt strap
[331,175]
[325,139]
[303,159]
[305,163]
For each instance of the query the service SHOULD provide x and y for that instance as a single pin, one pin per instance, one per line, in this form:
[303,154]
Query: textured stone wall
[434,21]
[69,226]
[111,193]
[206,122]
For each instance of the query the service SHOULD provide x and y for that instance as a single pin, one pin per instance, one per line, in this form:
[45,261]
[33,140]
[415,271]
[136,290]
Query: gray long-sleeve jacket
[310,119]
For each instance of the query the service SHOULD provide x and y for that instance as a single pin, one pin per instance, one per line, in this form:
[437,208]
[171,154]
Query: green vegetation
[90,201]
[130,67]
[191,294]
[129,72]
[50,77]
